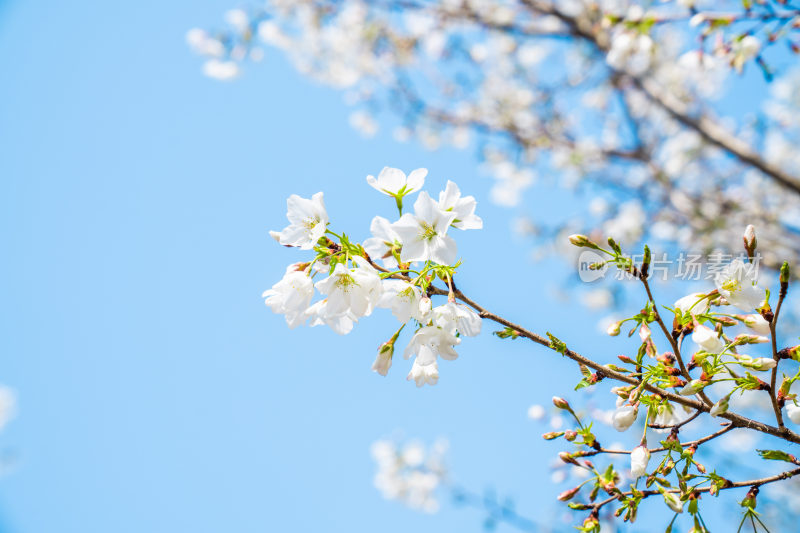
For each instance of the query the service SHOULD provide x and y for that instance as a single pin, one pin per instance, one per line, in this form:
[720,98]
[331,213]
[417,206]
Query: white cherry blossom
[457,317]
[707,339]
[424,374]
[424,234]
[430,341]
[320,314]
[639,459]
[308,220]
[405,300]
[464,208]
[737,283]
[393,181]
[383,239]
[291,296]
[694,304]
[383,361]
[624,417]
[668,415]
[355,290]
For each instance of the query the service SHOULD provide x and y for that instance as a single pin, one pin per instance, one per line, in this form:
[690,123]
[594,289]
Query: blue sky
[156,391]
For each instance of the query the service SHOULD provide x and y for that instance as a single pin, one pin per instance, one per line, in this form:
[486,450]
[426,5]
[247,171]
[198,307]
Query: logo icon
[586,272]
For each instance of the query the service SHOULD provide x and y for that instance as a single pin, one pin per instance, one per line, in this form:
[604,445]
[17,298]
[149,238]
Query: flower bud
[693,387]
[784,279]
[644,332]
[646,261]
[384,359]
[590,523]
[567,458]
[749,339]
[760,364]
[613,329]
[720,407]
[561,403]
[725,320]
[639,458]
[623,392]
[570,435]
[790,353]
[552,435]
[624,417]
[568,494]
[582,241]
[749,239]
[673,501]
[750,499]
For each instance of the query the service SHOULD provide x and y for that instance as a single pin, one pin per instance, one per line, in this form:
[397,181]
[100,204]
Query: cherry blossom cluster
[679,389]
[711,369]
[410,473]
[413,250]
[625,94]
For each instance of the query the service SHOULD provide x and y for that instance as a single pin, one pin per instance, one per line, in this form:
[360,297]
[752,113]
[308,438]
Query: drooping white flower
[624,417]
[667,415]
[383,239]
[457,317]
[694,304]
[383,362]
[464,208]
[405,300]
[707,339]
[291,296]
[430,341]
[422,374]
[424,234]
[393,181]
[737,284]
[319,314]
[639,459]
[355,290]
[793,412]
[307,222]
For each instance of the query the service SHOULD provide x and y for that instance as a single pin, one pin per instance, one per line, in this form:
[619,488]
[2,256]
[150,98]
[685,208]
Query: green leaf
[507,333]
[777,455]
[672,445]
[556,343]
